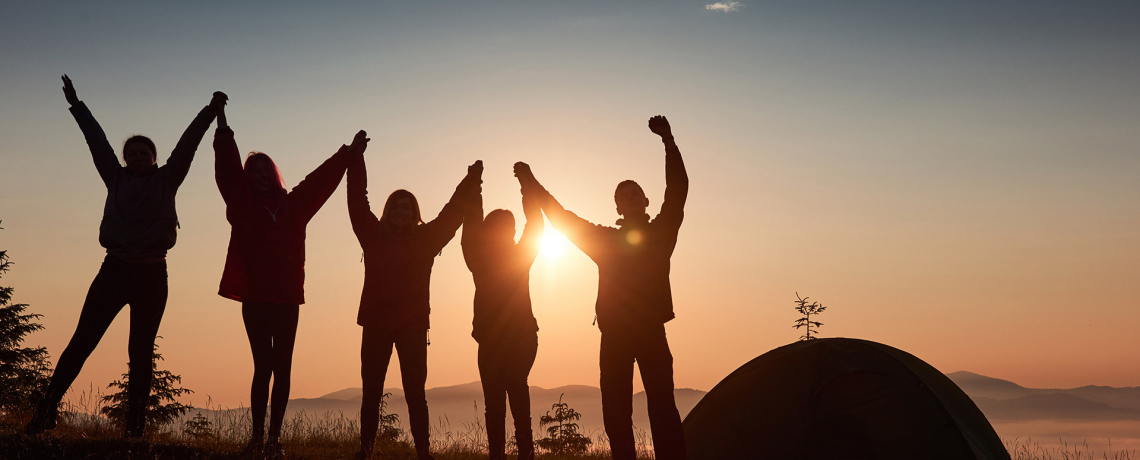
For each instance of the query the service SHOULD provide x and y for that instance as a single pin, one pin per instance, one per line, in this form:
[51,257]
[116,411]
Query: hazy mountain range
[1005,400]
[458,407]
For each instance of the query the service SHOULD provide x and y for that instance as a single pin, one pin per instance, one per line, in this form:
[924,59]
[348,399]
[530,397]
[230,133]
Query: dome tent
[838,399]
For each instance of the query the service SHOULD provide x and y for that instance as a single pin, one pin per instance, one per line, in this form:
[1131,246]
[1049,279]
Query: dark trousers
[118,284]
[650,350]
[504,365]
[375,354]
[272,331]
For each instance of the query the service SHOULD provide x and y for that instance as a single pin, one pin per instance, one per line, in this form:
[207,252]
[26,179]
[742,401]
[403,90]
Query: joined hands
[526,177]
[475,174]
[359,143]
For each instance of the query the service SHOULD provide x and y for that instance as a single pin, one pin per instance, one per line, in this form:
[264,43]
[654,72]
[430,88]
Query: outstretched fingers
[69,90]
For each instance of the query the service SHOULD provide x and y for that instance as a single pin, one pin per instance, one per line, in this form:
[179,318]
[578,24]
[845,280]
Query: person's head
[630,199]
[500,225]
[139,153]
[401,209]
[262,174]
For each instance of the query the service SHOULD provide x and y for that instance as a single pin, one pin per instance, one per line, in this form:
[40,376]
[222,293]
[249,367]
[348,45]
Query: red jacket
[397,262]
[266,257]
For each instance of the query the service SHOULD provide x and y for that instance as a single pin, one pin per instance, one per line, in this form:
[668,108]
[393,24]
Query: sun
[553,245]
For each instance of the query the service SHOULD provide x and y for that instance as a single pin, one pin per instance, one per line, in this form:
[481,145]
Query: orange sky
[967,197]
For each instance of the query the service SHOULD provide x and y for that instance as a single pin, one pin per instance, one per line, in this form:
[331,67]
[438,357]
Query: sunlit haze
[553,246]
[955,179]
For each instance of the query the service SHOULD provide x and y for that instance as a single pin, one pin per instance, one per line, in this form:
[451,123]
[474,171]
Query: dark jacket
[501,270]
[139,217]
[633,259]
[397,262]
[265,261]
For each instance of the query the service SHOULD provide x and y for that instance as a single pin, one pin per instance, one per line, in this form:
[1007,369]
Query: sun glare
[553,245]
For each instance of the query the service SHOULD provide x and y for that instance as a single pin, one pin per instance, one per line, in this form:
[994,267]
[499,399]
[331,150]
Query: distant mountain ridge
[455,406]
[1004,400]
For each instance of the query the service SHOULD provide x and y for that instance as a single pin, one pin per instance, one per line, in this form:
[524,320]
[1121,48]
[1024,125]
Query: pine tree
[389,422]
[24,372]
[563,436]
[808,309]
[198,428]
[162,407]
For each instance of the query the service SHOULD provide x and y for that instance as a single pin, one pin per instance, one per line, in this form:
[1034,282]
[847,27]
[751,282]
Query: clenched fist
[660,126]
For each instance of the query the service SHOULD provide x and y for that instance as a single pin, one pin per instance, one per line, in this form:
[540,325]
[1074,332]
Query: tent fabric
[839,398]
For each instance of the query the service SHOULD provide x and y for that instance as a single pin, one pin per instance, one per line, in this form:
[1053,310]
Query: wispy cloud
[724,7]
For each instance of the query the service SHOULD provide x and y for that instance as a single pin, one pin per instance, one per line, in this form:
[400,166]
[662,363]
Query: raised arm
[579,231]
[360,213]
[471,241]
[101,151]
[312,193]
[228,171]
[442,229]
[676,179]
[531,239]
[183,154]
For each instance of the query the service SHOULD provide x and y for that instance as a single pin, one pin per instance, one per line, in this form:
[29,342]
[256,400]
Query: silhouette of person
[139,225]
[265,264]
[503,324]
[399,251]
[634,299]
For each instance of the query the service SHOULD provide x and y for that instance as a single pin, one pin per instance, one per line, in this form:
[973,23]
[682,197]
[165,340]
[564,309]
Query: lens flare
[553,245]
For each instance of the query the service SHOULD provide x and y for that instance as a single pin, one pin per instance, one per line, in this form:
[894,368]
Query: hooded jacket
[397,261]
[501,270]
[632,259]
[139,216]
[265,261]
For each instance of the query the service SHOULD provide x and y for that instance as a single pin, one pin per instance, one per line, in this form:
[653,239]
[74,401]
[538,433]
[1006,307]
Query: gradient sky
[956,179]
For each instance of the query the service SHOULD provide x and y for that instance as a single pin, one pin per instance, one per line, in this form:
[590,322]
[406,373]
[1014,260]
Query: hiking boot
[42,420]
[255,449]
[274,451]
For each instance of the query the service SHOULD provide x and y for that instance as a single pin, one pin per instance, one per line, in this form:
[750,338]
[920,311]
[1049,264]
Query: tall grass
[1028,449]
[82,433]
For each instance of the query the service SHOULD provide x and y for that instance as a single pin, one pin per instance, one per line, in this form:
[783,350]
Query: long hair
[260,156]
[139,138]
[397,196]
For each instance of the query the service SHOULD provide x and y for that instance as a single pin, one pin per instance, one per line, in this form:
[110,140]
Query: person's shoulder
[664,223]
[606,229]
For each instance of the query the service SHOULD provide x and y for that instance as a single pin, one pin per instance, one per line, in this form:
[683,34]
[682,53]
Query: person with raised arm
[634,299]
[265,264]
[399,251]
[503,324]
[140,224]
